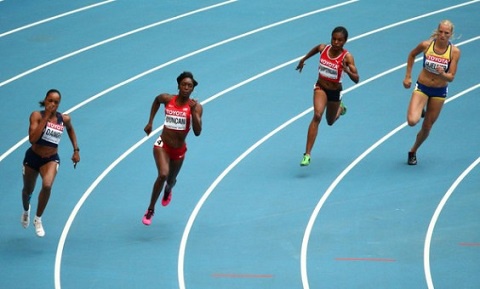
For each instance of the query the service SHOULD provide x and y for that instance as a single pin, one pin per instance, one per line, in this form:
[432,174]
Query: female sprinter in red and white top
[335,61]
[181,114]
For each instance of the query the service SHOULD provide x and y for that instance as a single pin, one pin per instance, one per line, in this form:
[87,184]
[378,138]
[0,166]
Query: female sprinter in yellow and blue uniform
[440,62]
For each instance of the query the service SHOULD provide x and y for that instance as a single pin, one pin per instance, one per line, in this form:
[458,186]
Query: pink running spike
[147,218]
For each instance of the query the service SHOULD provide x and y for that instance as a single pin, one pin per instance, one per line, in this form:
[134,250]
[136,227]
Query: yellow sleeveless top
[431,60]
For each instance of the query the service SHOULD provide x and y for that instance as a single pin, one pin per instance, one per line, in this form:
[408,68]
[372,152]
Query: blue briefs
[35,161]
[440,92]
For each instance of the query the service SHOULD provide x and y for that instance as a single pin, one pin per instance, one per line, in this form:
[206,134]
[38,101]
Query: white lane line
[431,227]
[18,76]
[25,139]
[330,189]
[54,17]
[433,222]
[61,244]
[76,209]
[313,217]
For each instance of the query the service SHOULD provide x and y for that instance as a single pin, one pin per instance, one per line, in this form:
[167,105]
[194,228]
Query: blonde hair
[443,22]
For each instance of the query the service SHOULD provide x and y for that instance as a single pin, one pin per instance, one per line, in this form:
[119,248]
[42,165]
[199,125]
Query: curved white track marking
[327,193]
[54,17]
[63,236]
[433,221]
[416,18]
[110,40]
[82,200]
[310,224]
[13,148]
[87,193]
[308,230]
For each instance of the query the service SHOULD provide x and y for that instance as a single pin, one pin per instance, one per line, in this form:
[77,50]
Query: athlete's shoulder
[454,47]
[427,43]
[322,47]
[164,97]
[36,115]
[455,51]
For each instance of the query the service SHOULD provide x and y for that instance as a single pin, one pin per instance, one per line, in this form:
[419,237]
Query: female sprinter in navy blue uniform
[44,133]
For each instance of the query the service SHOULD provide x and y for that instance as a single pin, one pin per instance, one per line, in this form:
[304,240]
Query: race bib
[53,133]
[176,120]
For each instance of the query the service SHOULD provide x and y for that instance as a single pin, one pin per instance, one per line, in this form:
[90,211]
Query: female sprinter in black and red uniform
[181,114]
[334,62]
